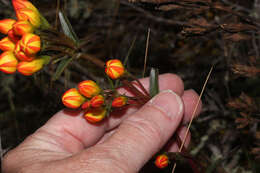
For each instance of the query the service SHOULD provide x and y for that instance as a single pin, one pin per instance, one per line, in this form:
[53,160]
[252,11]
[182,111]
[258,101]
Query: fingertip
[172,82]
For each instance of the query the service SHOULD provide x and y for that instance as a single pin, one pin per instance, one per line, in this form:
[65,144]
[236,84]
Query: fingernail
[168,102]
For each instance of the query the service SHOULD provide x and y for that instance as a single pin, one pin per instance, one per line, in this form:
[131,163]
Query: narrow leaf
[67,28]
[61,67]
[154,83]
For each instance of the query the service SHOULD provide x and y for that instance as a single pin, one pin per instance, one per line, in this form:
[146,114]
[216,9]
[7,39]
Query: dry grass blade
[193,114]
[146,50]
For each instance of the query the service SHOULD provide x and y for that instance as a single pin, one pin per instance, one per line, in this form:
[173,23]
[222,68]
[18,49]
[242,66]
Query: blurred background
[187,38]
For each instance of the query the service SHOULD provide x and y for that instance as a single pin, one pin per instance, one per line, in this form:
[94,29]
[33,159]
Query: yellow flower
[29,68]
[95,115]
[97,101]
[119,102]
[21,4]
[20,54]
[162,161]
[22,27]
[12,36]
[88,88]
[6,44]
[6,25]
[8,62]
[114,68]
[72,99]
[30,44]
[28,14]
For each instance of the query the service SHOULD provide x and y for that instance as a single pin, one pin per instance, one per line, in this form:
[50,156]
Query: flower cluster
[92,99]
[162,161]
[21,45]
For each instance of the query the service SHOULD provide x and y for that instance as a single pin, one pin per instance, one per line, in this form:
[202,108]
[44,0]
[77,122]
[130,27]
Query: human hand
[124,142]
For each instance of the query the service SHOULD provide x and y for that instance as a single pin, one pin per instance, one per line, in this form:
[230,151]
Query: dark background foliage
[186,38]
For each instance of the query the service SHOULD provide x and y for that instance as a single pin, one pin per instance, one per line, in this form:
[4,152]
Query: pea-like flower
[21,4]
[86,105]
[12,36]
[72,99]
[162,161]
[8,62]
[88,88]
[95,115]
[6,25]
[114,69]
[21,55]
[6,44]
[30,44]
[119,102]
[22,27]
[27,14]
[29,68]
[97,101]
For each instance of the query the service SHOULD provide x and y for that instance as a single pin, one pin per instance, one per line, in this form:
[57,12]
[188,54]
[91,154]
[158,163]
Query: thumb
[144,133]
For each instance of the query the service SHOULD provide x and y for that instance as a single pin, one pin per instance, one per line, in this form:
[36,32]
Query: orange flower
[8,62]
[20,4]
[162,161]
[86,105]
[28,14]
[119,102]
[22,27]
[89,88]
[6,25]
[114,68]
[12,36]
[20,54]
[72,99]
[6,44]
[95,115]
[29,68]
[97,101]
[30,44]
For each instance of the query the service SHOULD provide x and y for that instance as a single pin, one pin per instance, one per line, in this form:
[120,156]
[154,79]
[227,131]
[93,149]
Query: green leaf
[67,28]
[154,84]
[61,67]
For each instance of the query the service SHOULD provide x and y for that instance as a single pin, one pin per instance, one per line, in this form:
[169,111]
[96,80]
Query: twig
[193,114]
[146,50]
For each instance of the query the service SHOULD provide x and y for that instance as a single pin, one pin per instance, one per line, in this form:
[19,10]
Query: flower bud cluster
[90,98]
[162,161]
[21,45]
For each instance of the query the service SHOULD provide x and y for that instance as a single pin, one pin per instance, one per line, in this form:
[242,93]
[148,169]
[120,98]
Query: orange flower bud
[6,44]
[20,4]
[20,54]
[95,115]
[86,105]
[12,36]
[162,161]
[114,68]
[6,25]
[28,14]
[30,44]
[88,88]
[22,27]
[72,99]
[29,68]
[119,102]
[97,101]
[8,62]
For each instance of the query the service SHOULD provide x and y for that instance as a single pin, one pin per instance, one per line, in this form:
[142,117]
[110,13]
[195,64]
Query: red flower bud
[22,27]
[29,68]
[86,105]
[6,25]
[119,102]
[8,62]
[20,54]
[72,99]
[14,38]
[162,161]
[28,14]
[30,44]
[97,101]
[95,115]
[114,68]
[6,44]
[88,88]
